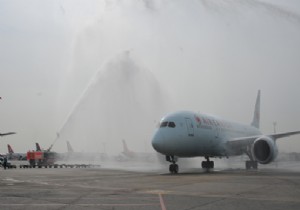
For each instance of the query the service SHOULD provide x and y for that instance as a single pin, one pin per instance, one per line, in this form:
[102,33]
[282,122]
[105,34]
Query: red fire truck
[41,158]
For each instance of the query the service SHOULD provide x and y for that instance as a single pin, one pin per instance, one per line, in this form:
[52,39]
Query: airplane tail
[10,150]
[37,146]
[256,116]
[70,149]
[125,148]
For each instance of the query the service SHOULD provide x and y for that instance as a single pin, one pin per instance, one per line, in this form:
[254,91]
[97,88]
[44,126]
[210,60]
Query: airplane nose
[158,142]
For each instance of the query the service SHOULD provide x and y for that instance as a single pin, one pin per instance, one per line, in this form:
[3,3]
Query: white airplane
[70,148]
[189,134]
[85,156]
[15,156]
[129,155]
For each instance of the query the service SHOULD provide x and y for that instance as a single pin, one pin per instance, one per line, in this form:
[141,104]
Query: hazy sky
[208,56]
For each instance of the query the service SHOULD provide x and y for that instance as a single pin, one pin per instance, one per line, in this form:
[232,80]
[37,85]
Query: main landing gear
[251,164]
[207,164]
[173,168]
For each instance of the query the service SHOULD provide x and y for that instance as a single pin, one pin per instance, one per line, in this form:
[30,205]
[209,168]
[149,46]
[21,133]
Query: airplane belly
[182,142]
[195,149]
[187,146]
[187,149]
[177,145]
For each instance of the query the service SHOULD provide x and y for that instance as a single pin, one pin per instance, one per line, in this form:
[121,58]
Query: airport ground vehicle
[8,164]
[46,159]
[41,158]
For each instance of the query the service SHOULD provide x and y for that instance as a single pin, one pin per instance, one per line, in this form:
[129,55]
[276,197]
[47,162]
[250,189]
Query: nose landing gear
[207,164]
[173,168]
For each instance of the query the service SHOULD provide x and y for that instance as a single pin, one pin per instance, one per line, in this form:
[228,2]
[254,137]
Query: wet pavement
[98,188]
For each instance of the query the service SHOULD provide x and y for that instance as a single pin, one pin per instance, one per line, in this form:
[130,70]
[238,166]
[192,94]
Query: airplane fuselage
[16,156]
[189,134]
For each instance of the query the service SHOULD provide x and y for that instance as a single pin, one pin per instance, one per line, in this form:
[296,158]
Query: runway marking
[88,198]
[12,180]
[156,191]
[162,203]
[81,204]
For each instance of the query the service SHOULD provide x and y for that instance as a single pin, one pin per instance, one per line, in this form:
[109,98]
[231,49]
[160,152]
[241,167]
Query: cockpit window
[163,124]
[171,125]
[166,123]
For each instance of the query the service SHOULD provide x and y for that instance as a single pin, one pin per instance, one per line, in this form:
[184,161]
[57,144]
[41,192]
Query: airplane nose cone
[158,142]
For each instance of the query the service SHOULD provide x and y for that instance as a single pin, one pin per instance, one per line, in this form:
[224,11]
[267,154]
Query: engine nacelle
[264,150]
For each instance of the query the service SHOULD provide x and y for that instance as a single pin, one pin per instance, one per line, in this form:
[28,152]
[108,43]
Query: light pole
[274,126]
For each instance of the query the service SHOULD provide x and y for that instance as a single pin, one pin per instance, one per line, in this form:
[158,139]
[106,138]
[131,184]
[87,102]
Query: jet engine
[264,150]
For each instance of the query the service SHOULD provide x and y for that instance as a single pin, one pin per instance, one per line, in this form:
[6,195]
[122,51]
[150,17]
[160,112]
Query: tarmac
[103,188]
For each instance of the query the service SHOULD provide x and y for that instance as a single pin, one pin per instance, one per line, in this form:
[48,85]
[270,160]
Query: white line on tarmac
[81,204]
[162,203]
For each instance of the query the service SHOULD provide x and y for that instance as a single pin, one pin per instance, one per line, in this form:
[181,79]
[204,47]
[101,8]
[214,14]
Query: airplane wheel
[208,164]
[173,168]
[211,164]
[176,168]
[248,166]
[254,164]
[251,164]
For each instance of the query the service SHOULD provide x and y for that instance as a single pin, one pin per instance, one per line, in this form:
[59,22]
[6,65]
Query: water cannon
[57,136]
[48,150]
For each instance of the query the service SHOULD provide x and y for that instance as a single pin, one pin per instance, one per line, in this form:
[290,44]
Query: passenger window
[163,124]
[171,125]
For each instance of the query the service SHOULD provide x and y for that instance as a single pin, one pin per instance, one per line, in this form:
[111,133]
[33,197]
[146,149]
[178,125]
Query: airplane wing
[281,135]
[242,142]
[5,134]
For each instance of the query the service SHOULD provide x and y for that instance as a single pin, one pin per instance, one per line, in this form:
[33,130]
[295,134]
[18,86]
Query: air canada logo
[198,120]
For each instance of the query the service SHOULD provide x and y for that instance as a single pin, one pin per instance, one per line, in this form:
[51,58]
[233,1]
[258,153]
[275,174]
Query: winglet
[256,115]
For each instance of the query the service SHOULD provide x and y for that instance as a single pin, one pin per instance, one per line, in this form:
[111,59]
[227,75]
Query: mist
[97,72]
[123,101]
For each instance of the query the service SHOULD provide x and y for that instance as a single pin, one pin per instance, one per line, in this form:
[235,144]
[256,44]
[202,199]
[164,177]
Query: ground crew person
[5,163]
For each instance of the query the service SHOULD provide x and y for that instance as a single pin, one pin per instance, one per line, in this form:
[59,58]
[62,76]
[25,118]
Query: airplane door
[190,126]
[216,140]
[217,132]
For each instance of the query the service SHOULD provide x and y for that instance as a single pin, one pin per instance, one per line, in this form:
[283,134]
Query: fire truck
[41,158]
